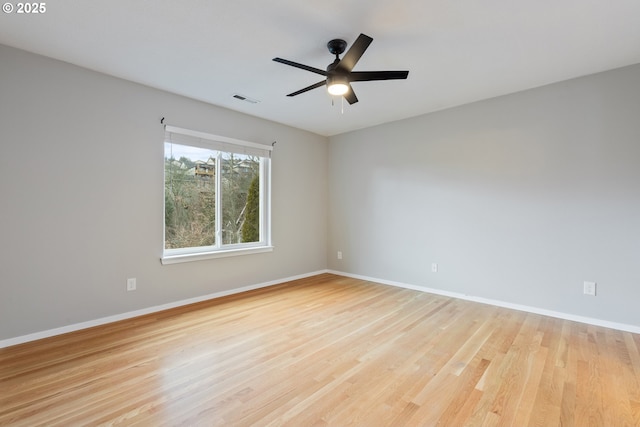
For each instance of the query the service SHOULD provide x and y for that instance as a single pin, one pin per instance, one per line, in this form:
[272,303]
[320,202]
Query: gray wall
[81,187]
[519,199]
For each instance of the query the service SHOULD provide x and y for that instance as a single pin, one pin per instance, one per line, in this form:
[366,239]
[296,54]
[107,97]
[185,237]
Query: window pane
[240,186]
[189,196]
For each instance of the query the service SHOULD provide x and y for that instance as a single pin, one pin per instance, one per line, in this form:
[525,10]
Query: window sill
[198,256]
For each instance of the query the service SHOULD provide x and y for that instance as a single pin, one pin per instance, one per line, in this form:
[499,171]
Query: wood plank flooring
[327,351]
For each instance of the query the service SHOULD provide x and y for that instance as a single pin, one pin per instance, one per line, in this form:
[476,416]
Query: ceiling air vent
[245,99]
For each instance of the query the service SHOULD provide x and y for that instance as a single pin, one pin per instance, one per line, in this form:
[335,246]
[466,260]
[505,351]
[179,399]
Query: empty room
[358,213]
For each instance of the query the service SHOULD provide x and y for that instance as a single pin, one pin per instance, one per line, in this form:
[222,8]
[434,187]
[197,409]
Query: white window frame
[223,144]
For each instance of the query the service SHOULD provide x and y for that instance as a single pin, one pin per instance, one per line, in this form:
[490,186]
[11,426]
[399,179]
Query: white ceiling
[457,51]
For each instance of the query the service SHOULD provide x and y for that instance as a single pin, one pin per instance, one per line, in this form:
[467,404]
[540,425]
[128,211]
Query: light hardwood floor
[327,350]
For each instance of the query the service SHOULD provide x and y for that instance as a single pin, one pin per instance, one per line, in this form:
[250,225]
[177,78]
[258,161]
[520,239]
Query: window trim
[222,253]
[223,144]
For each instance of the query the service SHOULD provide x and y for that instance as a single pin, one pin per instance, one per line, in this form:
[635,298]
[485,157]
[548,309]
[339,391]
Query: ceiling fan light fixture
[338,89]
[337,85]
[339,74]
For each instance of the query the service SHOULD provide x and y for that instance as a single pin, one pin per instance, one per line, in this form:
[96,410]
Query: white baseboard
[123,316]
[110,319]
[588,320]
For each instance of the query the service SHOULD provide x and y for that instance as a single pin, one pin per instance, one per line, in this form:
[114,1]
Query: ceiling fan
[339,74]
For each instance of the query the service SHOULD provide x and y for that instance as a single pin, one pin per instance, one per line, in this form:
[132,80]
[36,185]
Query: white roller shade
[194,138]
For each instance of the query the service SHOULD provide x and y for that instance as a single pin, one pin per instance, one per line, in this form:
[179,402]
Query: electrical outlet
[434,267]
[131,284]
[339,254]
[590,288]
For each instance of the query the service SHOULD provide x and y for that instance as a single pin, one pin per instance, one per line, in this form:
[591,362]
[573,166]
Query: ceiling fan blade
[308,88]
[350,96]
[302,66]
[363,76]
[354,53]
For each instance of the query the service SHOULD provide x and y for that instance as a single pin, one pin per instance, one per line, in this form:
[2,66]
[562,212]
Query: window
[216,196]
